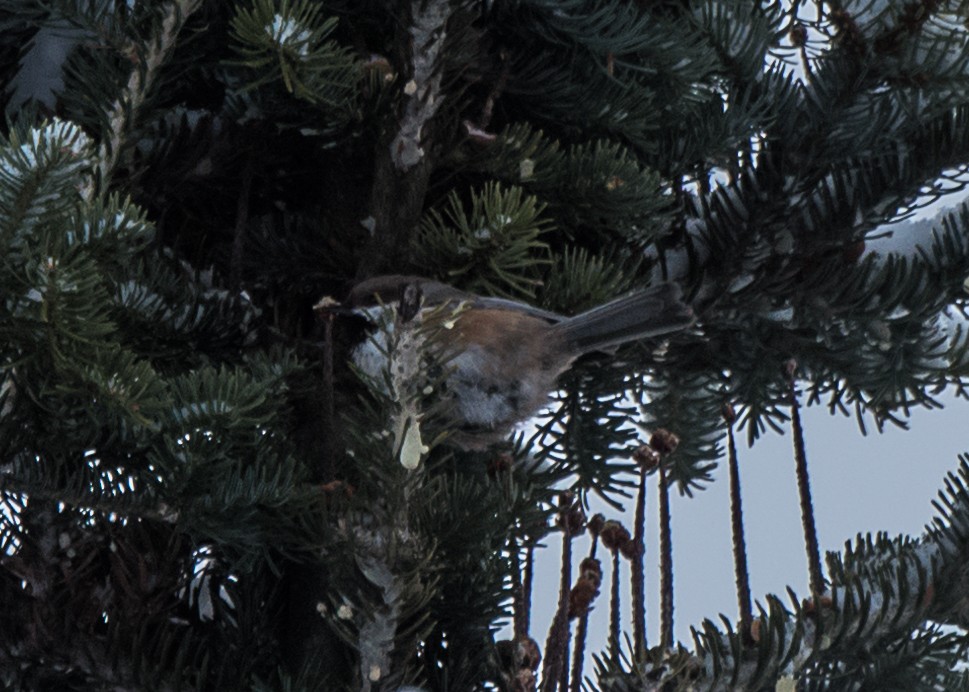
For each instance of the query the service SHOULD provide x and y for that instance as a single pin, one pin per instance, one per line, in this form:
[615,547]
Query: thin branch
[526,613]
[741,574]
[804,494]
[517,592]
[638,569]
[616,539]
[557,642]
[666,561]
[329,410]
[614,608]
[486,111]
[581,631]
[242,223]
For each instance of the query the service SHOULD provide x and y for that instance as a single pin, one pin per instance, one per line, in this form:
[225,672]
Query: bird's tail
[646,313]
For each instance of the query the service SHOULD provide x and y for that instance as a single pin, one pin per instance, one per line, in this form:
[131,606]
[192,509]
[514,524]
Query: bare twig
[741,575]
[804,493]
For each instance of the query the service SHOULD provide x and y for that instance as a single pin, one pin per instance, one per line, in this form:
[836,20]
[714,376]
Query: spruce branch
[375,639]
[42,170]
[495,248]
[147,65]
[292,42]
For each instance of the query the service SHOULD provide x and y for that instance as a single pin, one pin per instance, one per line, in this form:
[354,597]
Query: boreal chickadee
[504,356]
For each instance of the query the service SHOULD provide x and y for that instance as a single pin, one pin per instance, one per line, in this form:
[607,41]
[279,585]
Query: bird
[505,356]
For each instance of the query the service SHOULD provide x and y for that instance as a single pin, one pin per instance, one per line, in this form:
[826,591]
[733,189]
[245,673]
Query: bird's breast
[504,368]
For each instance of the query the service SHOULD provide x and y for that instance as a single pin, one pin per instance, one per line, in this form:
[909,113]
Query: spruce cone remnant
[571,515]
[614,535]
[798,35]
[525,681]
[499,465]
[591,569]
[647,457]
[521,652]
[631,549]
[581,597]
[664,441]
[586,588]
[852,252]
[528,653]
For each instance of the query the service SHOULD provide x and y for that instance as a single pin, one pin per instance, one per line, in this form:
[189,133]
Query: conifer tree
[200,492]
